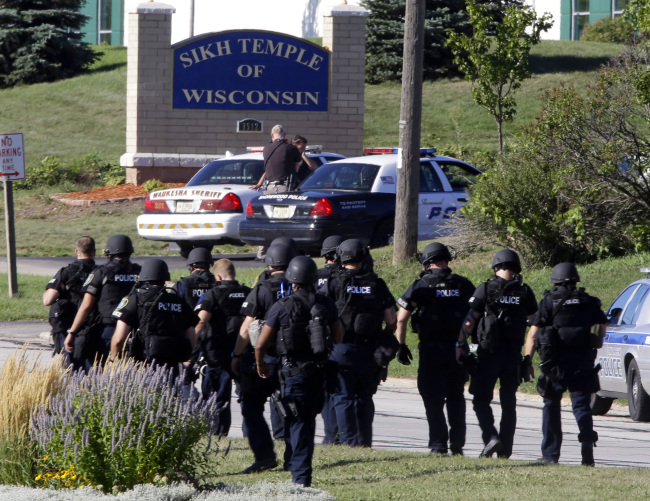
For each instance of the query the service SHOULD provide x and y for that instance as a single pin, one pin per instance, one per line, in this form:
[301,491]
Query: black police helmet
[330,244]
[286,241]
[302,270]
[200,255]
[565,273]
[435,251]
[351,251]
[279,255]
[154,270]
[119,244]
[507,256]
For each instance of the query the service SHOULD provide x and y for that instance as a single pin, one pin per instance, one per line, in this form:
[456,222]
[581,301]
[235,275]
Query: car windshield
[342,176]
[232,171]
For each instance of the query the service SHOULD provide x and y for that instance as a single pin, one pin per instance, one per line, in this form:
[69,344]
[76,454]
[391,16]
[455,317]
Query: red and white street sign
[12,157]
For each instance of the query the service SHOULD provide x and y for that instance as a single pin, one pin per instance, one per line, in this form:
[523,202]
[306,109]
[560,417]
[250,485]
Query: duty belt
[276,183]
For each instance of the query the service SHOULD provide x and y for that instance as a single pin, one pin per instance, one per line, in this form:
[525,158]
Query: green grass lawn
[87,114]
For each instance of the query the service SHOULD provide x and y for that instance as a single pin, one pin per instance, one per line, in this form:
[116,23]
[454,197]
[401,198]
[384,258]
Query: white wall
[300,18]
[553,7]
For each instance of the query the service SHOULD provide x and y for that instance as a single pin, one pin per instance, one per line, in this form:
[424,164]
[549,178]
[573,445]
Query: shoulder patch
[89,279]
[123,303]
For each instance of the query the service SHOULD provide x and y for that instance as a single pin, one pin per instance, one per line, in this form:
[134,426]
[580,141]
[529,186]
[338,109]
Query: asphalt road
[400,423]
[48,266]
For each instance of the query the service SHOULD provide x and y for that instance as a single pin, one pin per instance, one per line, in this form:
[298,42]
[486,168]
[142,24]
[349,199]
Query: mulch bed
[107,194]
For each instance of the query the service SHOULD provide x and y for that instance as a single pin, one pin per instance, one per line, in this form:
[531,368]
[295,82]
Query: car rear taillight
[249,208]
[155,205]
[322,208]
[230,202]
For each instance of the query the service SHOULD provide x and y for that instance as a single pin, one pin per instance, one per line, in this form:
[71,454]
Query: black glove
[526,365]
[404,355]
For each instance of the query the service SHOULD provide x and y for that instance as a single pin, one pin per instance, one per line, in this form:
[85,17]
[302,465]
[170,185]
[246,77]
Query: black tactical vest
[119,278]
[63,311]
[358,306]
[506,299]
[442,314]
[225,322]
[308,317]
[572,320]
[195,285]
[326,273]
[161,331]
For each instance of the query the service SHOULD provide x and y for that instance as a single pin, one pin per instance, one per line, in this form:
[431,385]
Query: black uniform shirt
[260,299]
[67,273]
[281,159]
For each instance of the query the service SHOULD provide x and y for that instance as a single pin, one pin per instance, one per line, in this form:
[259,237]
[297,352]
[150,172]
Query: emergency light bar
[646,270]
[381,151]
[317,148]
[254,149]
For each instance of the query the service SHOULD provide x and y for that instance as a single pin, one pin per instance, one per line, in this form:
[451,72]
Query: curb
[61,197]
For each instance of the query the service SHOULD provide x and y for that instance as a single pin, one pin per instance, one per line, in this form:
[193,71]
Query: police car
[625,355]
[355,198]
[208,209]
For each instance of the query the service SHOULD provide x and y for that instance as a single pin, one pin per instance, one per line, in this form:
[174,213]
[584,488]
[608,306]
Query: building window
[104,28]
[580,18]
[617,7]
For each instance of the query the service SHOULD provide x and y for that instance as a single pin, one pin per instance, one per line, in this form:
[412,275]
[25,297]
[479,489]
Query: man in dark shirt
[308,165]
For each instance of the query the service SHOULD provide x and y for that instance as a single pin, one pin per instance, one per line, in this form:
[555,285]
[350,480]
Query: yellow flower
[46,458]
[38,477]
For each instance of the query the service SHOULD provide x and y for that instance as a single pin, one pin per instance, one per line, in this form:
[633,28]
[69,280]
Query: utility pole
[408,176]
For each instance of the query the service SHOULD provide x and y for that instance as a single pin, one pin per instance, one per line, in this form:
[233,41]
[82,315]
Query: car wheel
[600,405]
[186,248]
[383,234]
[638,399]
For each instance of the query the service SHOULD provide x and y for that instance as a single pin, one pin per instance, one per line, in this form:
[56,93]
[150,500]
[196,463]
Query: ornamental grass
[24,385]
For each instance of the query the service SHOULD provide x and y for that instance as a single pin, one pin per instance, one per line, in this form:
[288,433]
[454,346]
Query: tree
[40,41]
[495,56]
[576,185]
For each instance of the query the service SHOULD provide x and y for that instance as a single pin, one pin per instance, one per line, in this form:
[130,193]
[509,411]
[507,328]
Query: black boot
[588,454]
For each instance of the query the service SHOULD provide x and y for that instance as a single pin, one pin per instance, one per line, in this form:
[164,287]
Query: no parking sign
[12,157]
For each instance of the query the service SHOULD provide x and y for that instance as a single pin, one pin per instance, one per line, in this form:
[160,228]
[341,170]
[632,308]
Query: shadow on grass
[476,466]
[106,68]
[565,64]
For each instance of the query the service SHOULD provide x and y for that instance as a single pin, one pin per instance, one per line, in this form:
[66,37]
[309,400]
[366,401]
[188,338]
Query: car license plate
[280,211]
[184,206]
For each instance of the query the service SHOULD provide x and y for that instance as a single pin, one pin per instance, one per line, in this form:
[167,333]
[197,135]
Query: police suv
[207,211]
[625,355]
[355,198]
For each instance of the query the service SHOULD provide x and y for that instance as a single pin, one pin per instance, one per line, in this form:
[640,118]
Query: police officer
[568,327]
[498,312]
[332,266]
[439,299]
[192,288]
[161,321]
[217,330]
[300,325]
[364,303]
[201,280]
[65,291]
[254,390]
[104,288]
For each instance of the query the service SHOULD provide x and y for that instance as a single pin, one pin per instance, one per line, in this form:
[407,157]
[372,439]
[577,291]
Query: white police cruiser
[355,198]
[207,211]
[625,355]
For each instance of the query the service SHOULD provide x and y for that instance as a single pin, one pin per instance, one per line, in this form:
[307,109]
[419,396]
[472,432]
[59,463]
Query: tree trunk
[408,176]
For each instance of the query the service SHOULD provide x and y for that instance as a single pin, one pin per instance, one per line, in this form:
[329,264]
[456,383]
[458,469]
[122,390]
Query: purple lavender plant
[123,426]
